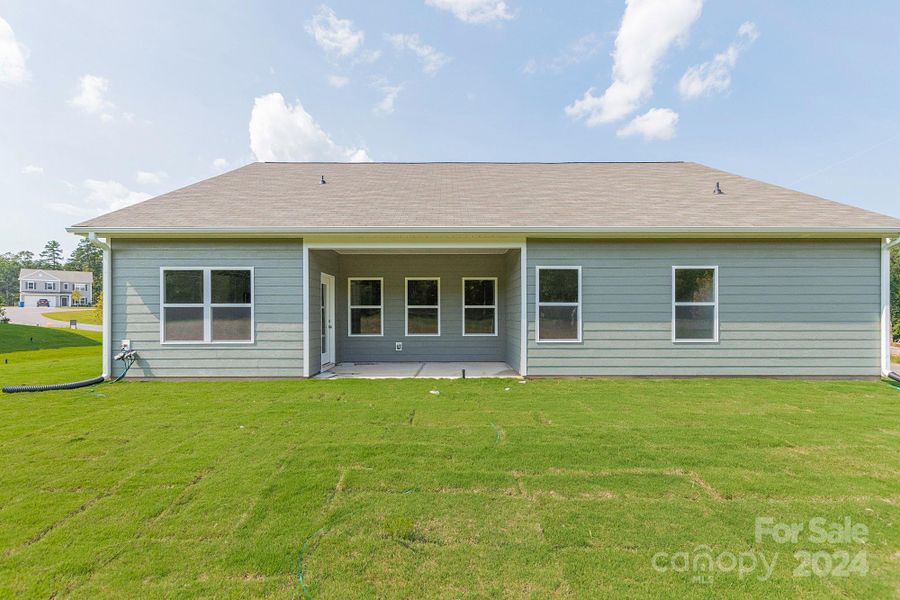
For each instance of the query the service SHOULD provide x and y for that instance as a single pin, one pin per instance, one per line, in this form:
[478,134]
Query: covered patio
[422,370]
[408,310]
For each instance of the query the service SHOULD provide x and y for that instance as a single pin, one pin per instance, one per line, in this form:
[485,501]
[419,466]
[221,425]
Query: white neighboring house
[56,287]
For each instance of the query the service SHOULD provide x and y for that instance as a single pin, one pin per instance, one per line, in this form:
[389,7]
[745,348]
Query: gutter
[92,238]
[107,301]
[544,230]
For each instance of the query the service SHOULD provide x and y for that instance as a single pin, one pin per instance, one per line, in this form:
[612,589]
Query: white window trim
[407,306]
[494,306]
[715,338]
[30,285]
[538,304]
[351,306]
[207,306]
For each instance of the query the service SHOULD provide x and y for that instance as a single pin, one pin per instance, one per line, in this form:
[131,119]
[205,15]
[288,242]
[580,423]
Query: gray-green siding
[511,295]
[278,347]
[792,308]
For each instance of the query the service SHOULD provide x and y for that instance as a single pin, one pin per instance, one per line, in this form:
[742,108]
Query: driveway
[34,316]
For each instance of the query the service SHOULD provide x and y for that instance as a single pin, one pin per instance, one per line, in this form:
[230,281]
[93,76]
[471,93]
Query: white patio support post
[305,308]
[523,284]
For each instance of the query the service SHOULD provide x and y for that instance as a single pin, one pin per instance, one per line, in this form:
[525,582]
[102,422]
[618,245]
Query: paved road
[34,316]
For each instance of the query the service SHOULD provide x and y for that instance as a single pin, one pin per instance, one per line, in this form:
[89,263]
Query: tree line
[895,293]
[85,257]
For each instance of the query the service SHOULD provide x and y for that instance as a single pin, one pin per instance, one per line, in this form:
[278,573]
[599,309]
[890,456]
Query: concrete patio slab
[402,370]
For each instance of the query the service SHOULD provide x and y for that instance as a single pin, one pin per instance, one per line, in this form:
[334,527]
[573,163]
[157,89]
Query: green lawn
[88,315]
[351,488]
[36,355]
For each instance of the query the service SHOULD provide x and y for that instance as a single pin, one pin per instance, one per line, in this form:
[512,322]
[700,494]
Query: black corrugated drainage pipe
[893,375]
[128,357]
[12,389]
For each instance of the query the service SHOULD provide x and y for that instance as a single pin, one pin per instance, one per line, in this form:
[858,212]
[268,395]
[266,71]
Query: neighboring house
[56,287]
[595,269]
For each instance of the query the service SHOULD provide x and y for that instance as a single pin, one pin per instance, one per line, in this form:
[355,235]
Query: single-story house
[47,287]
[569,269]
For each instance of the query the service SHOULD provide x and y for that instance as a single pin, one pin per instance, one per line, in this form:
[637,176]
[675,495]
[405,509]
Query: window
[423,306]
[29,285]
[695,304]
[558,304]
[479,305]
[366,305]
[202,305]
[49,285]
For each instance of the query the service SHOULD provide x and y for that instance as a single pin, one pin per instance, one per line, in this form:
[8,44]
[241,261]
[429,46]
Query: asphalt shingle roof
[489,195]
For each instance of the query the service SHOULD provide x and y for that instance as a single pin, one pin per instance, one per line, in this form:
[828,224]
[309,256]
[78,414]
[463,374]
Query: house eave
[587,231]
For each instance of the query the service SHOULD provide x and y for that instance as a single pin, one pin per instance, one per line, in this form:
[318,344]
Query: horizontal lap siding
[451,345]
[278,307]
[791,308]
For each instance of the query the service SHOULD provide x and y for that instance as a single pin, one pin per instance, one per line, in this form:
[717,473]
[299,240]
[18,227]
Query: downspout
[886,305]
[107,301]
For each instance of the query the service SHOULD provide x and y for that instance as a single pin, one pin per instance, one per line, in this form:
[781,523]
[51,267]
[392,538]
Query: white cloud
[655,124]
[101,197]
[91,97]
[338,81]
[578,51]
[12,56]
[151,177]
[386,105]
[429,57]
[32,170]
[335,36]
[715,75]
[281,132]
[476,12]
[220,164]
[111,195]
[648,30]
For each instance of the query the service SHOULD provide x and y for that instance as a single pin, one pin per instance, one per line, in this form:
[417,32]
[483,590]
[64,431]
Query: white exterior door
[327,319]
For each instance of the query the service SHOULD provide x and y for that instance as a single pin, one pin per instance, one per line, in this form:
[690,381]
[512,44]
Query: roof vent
[718,191]
[323,182]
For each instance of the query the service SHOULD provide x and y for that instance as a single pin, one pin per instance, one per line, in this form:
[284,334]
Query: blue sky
[106,103]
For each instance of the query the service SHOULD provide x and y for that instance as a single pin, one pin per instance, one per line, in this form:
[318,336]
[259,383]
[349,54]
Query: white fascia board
[544,231]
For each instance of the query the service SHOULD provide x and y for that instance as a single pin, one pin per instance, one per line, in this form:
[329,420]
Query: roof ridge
[473,162]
